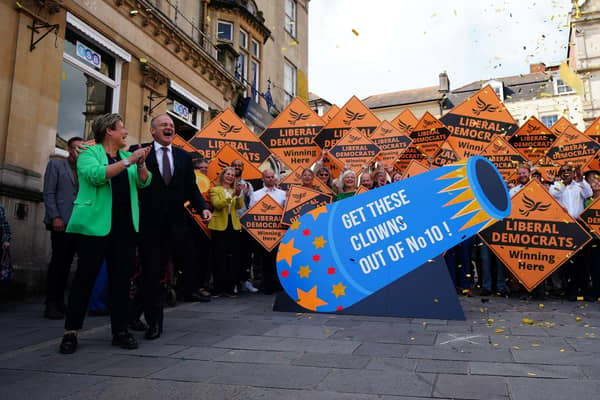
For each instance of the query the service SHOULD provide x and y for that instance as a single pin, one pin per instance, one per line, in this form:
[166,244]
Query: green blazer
[220,204]
[93,206]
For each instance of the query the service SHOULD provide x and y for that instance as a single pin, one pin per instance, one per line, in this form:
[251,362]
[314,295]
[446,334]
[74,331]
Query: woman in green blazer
[105,218]
[226,228]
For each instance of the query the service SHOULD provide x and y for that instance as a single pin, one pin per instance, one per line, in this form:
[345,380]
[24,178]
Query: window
[255,80]
[185,109]
[255,49]
[242,67]
[290,17]
[225,31]
[560,86]
[89,80]
[498,88]
[243,39]
[549,120]
[289,82]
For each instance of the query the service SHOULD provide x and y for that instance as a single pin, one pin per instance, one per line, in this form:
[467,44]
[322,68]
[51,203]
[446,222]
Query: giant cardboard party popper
[338,255]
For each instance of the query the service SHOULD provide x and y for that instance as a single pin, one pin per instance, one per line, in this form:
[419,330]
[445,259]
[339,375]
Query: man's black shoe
[68,345]
[137,326]
[196,297]
[53,312]
[153,332]
[125,340]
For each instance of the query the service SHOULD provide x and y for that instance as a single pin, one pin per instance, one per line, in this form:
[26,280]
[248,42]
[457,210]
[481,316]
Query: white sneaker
[249,287]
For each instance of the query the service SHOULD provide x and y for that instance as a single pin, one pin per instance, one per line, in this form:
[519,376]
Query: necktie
[166,172]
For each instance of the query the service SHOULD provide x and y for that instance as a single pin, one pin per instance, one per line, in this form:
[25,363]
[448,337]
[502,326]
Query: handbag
[6,269]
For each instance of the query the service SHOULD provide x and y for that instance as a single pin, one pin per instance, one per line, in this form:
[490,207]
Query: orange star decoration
[319,242]
[317,211]
[309,300]
[295,225]
[339,290]
[287,251]
[304,271]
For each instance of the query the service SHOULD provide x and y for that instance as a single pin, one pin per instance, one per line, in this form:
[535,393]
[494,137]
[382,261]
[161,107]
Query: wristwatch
[126,163]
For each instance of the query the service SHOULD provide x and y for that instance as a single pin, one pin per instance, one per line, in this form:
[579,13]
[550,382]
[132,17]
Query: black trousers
[63,251]
[226,271]
[118,249]
[269,269]
[156,249]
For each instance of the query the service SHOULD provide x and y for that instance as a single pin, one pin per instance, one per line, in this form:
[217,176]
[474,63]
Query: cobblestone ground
[240,349]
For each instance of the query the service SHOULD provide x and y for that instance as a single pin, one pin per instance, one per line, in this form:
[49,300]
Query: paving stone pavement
[241,349]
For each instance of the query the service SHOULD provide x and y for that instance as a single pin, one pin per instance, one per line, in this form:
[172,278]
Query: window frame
[290,19]
[545,117]
[557,87]
[255,45]
[288,97]
[231,31]
[243,44]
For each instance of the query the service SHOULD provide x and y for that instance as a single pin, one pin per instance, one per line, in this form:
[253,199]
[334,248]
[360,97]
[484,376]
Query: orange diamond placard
[414,168]
[354,151]
[409,154]
[301,200]
[295,178]
[263,222]
[224,157]
[591,217]
[390,141]
[474,122]
[532,139]
[405,122]
[290,135]
[180,142]
[593,130]
[429,134]
[354,114]
[573,147]
[561,126]
[228,128]
[445,155]
[334,109]
[504,157]
[537,237]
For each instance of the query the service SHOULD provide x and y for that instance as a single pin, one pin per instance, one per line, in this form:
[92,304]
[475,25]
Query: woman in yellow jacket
[225,228]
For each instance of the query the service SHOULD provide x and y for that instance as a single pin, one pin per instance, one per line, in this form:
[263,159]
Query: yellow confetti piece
[412,338]
[481,309]
[499,330]
[355,32]
[436,301]
[516,348]
[527,321]
[496,345]
[562,350]
[490,320]
[283,49]
[571,78]
[293,43]
[531,374]
[535,344]
[541,305]
[577,319]
[579,298]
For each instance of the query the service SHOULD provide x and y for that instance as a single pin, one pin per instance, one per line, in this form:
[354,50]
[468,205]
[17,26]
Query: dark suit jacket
[59,190]
[162,204]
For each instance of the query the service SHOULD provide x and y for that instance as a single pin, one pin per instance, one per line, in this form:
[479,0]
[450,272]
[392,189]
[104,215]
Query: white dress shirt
[159,156]
[571,196]
[277,194]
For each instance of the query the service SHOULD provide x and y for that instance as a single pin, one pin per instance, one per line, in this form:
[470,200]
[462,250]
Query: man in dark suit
[60,190]
[164,225]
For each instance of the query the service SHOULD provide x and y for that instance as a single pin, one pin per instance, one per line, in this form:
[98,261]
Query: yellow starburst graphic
[465,195]
[304,271]
[295,225]
[319,242]
[339,290]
